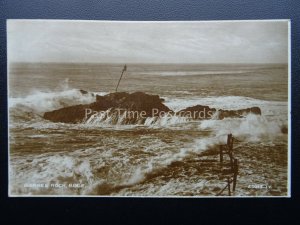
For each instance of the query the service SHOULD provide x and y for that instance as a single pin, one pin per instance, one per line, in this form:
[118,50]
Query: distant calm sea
[137,160]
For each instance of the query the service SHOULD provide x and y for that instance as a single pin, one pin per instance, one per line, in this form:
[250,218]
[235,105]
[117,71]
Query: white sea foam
[40,102]
[108,117]
[166,158]
[50,169]
[165,121]
[89,165]
[252,128]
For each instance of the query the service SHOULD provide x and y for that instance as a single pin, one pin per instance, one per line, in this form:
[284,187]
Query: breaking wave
[40,102]
[110,117]
[252,128]
[34,105]
[153,166]
[114,162]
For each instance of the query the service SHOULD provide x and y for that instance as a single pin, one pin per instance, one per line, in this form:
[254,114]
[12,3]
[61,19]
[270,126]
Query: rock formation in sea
[118,102]
[135,108]
[199,112]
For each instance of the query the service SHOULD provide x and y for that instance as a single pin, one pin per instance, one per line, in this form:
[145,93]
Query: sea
[168,158]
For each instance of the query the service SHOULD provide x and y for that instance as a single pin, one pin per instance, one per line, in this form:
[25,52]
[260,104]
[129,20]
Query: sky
[147,42]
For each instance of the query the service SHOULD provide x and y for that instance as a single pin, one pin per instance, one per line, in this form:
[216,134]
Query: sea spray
[40,102]
[253,128]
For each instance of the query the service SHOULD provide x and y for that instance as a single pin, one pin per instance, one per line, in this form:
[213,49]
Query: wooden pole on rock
[124,69]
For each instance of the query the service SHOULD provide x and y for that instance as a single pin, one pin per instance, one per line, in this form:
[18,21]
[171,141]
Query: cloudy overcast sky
[147,42]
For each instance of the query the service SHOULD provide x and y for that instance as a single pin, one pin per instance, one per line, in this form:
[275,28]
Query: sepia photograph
[156,109]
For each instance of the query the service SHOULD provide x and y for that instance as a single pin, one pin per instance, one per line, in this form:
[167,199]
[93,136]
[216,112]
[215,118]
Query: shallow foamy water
[171,157]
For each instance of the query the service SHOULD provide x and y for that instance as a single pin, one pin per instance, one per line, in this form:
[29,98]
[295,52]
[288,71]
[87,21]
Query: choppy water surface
[168,158]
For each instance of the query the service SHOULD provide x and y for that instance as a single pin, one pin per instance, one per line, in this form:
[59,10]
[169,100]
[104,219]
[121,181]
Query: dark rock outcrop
[199,112]
[238,113]
[117,102]
[137,101]
[71,114]
[83,92]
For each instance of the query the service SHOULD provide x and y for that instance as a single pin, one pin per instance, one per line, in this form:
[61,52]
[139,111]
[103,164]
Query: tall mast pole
[124,69]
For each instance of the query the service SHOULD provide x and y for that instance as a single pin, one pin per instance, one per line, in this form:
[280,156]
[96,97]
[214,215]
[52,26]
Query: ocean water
[170,157]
